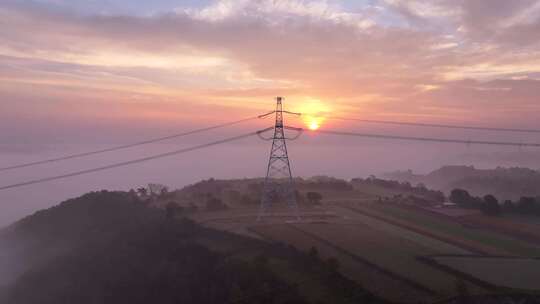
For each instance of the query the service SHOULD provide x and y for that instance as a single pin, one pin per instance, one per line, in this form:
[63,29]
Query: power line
[427,139]
[121,147]
[429,125]
[131,162]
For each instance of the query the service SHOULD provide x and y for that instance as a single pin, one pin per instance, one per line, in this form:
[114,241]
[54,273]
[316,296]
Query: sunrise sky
[80,65]
[77,76]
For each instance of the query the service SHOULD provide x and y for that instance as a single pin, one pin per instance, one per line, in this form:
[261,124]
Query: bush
[248,200]
[528,205]
[314,198]
[172,209]
[215,204]
[508,206]
[491,206]
[463,199]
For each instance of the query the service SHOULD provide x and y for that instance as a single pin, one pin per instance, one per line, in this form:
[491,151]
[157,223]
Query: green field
[309,284]
[393,253]
[505,272]
[381,284]
[501,245]
[436,246]
[380,255]
[527,219]
[386,248]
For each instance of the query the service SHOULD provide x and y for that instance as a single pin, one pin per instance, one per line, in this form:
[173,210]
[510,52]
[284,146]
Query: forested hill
[108,247]
[504,183]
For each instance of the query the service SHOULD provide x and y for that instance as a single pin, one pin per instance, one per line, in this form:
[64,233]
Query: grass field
[374,280]
[507,225]
[311,286]
[421,228]
[506,272]
[485,241]
[390,252]
[527,219]
[373,191]
[384,247]
[422,240]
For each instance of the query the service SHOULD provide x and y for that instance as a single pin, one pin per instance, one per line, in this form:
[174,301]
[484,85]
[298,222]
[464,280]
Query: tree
[332,263]
[193,207]
[255,189]
[463,199]
[460,197]
[215,204]
[299,197]
[314,197]
[234,196]
[132,193]
[313,252]
[437,196]
[260,261]
[172,209]
[155,189]
[528,205]
[491,206]
[142,191]
[247,200]
[508,206]
[421,187]
[164,191]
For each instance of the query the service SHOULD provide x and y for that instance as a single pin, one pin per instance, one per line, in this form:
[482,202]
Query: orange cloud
[242,53]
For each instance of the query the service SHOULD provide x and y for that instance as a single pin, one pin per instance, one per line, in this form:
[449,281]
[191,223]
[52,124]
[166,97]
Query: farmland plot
[393,253]
[518,273]
[486,241]
[372,279]
[421,228]
[396,231]
[506,225]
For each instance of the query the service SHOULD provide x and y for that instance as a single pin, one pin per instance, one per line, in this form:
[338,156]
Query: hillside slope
[108,247]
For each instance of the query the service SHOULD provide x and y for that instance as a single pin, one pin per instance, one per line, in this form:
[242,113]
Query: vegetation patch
[372,277]
[477,240]
[515,273]
[420,239]
[116,249]
[396,256]
[418,227]
[506,225]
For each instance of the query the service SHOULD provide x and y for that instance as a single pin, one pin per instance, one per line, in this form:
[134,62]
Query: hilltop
[216,194]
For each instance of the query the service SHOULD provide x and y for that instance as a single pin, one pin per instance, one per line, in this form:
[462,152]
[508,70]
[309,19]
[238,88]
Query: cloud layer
[445,60]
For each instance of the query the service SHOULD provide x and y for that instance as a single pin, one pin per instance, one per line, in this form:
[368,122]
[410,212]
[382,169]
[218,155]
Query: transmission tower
[278,184]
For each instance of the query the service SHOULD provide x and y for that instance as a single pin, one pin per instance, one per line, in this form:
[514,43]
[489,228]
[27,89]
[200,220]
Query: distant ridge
[505,183]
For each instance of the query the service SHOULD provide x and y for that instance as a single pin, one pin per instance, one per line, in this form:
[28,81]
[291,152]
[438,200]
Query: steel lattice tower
[278,184]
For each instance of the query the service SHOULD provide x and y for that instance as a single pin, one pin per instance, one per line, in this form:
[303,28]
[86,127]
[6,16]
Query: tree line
[419,189]
[490,205]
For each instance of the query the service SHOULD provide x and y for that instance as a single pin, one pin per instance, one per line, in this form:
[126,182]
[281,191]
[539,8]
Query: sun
[314,125]
[313,113]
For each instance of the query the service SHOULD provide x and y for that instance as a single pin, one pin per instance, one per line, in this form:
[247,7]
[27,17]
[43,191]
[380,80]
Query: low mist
[309,155]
